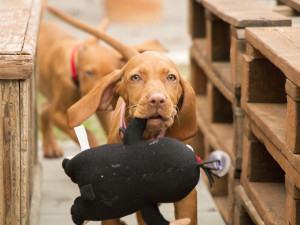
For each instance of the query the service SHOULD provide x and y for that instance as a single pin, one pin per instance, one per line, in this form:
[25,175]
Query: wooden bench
[20,171]
[270,98]
[217,28]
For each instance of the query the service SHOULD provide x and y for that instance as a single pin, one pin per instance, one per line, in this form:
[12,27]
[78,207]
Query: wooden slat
[245,13]
[281,45]
[288,161]
[269,207]
[25,167]
[10,152]
[212,75]
[249,207]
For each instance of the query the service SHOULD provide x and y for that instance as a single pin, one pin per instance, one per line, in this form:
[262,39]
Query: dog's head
[152,88]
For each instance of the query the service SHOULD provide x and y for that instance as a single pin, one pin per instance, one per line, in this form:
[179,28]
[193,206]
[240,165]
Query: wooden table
[19,25]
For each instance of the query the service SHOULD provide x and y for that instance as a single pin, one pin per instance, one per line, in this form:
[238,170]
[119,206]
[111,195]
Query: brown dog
[91,61]
[150,87]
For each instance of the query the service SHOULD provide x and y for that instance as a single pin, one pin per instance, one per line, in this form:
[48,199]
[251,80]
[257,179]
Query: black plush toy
[116,180]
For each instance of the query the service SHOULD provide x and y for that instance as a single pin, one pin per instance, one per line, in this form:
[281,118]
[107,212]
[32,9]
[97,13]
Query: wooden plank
[25,167]
[238,120]
[10,147]
[293,210]
[271,136]
[281,45]
[262,81]
[249,207]
[269,207]
[220,109]
[218,38]
[16,66]
[32,30]
[237,48]
[292,136]
[245,13]
[223,71]
[198,78]
[14,21]
[292,90]
[221,134]
[213,77]
[291,188]
[196,19]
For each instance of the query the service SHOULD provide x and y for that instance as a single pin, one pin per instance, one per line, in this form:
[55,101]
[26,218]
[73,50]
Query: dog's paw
[185,221]
[52,151]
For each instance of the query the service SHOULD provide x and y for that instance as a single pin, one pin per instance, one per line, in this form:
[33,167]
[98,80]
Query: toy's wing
[87,192]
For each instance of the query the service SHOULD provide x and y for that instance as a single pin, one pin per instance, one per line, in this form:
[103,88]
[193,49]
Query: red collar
[73,67]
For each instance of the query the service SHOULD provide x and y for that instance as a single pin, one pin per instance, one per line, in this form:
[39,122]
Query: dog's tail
[127,51]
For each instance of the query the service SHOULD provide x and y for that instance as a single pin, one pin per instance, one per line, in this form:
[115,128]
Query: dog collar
[123,125]
[73,67]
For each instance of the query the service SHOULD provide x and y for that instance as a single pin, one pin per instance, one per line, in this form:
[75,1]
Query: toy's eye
[171,77]
[89,72]
[135,77]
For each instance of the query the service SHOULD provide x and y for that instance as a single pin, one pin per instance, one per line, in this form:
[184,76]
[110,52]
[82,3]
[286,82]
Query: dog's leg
[140,219]
[187,208]
[50,147]
[112,222]
[60,120]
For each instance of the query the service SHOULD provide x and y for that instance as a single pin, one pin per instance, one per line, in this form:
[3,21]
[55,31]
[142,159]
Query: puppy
[150,87]
[68,69]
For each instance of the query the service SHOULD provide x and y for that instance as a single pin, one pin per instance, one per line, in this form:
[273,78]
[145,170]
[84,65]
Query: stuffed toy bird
[116,180]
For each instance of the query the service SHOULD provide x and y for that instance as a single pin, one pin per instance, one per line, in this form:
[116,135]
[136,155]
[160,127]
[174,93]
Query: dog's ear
[102,97]
[185,125]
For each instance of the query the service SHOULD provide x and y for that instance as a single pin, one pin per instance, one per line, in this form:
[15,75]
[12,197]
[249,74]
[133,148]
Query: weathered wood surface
[245,213]
[245,13]
[19,21]
[281,45]
[295,4]
[10,157]
[268,125]
[218,73]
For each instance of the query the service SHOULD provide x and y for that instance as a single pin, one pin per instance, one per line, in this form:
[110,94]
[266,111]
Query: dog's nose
[157,99]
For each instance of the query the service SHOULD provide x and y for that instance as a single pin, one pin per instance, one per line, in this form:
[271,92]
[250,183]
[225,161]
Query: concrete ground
[58,192]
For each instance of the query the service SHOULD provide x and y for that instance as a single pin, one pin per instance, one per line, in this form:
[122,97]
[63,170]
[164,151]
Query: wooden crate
[270,98]
[20,171]
[218,31]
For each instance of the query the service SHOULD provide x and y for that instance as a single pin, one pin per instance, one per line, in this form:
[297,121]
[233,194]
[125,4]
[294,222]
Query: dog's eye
[89,72]
[171,77]
[135,77]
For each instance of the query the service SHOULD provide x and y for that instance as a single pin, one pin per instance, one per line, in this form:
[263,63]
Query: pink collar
[73,67]
[123,124]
